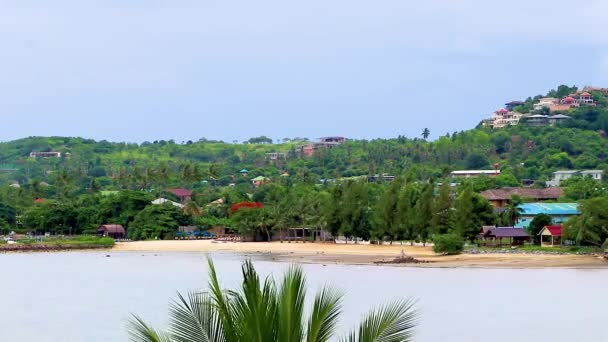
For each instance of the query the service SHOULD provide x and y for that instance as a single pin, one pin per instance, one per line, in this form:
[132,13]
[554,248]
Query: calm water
[87,297]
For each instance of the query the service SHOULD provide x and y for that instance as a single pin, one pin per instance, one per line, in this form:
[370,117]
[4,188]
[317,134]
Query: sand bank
[365,254]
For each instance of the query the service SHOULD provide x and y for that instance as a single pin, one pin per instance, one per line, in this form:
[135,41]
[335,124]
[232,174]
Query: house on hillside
[184,195]
[559,212]
[503,118]
[115,231]
[161,201]
[474,173]
[558,119]
[586,98]
[561,175]
[502,197]
[275,155]
[545,102]
[537,120]
[323,143]
[259,180]
[551,236]
[35,154]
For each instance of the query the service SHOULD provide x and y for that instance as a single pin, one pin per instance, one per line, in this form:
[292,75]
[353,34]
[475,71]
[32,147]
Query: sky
[143,70]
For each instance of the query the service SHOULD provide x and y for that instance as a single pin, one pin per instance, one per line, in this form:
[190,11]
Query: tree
[158,222]
[591,226]
[579,188]
[464,220]
[538,223]
[406,211]
[442,210]
[264,311]
[386,215]
[513,210]
[449,244]
[424,210]
[425,133]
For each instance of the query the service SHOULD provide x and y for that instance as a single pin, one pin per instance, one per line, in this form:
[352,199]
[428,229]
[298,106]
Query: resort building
[559,212]
[586,98]
[474,173]
[500,198]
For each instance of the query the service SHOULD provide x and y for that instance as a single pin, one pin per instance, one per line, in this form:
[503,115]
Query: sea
[89,296]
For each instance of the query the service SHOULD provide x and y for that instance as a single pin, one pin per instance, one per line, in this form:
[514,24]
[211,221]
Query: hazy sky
[135,70]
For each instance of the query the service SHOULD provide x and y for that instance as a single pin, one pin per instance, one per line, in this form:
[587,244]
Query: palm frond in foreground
[262,311]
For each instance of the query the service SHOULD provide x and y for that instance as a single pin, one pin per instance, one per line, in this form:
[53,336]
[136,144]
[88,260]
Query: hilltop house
[501,197]
[511,105]
[323,143]
[559,176]
[545,102]
[559,212]
[474,173]
[275,155]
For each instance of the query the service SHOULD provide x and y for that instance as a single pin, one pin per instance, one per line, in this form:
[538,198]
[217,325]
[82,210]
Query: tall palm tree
[425,133]
[264,312]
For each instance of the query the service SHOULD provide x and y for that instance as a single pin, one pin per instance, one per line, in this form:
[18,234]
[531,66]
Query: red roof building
[183,194]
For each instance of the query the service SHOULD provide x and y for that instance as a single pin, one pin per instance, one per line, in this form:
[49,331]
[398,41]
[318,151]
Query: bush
[605,245]
[448,244]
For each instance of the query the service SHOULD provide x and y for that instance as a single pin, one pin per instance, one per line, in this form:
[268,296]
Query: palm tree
[264,312]
[513,209]
[425,133]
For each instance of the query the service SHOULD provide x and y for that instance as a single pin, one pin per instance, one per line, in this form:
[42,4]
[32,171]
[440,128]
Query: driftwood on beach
[403,259]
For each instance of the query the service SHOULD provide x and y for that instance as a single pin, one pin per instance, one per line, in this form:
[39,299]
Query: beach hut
[551,236]
[115,231]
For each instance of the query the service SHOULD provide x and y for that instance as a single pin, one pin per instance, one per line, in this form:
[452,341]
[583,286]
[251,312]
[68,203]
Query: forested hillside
[73,181]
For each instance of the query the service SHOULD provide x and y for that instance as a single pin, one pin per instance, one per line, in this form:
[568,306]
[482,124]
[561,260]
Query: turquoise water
[88,297]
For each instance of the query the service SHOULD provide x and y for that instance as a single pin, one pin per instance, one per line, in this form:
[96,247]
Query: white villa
[559,176]
[503,118]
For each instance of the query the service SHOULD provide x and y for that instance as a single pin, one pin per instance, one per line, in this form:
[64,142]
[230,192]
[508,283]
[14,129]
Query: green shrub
[448,244]
[605,245]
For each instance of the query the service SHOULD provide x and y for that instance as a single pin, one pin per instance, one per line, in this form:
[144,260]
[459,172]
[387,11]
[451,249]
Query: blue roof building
[559,212]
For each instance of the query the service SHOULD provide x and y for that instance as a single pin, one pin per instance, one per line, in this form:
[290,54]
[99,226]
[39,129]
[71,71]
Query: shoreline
[327,253]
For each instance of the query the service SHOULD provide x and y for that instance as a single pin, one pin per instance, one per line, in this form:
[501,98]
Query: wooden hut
[551,236]
[115,231]
[497,237]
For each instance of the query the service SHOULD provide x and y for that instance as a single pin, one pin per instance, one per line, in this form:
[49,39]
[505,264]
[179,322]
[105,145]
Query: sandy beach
[365,254]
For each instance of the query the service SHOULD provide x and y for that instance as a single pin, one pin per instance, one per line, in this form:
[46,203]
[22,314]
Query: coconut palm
[261,311]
